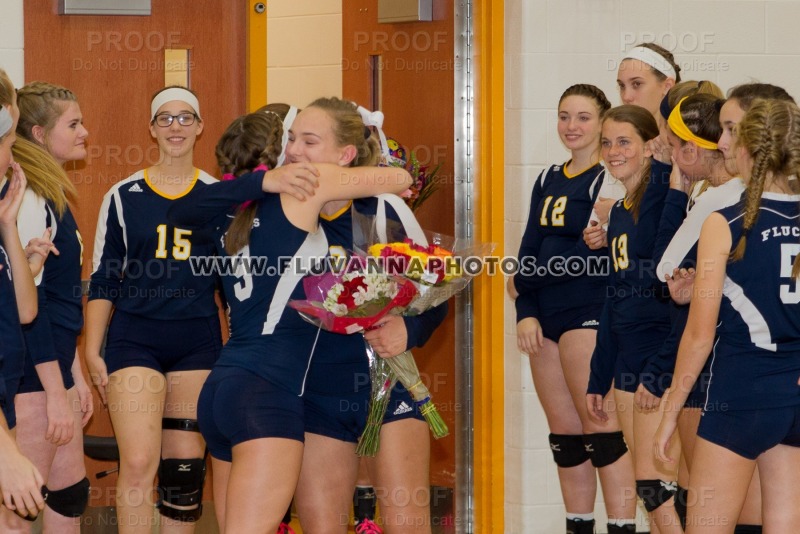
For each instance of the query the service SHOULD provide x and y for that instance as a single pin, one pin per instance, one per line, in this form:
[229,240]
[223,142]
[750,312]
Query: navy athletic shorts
[236,405]
[634,349]
[337,407]
[750,433]
[554,326]
[336,399]
[165,346]
[401,406]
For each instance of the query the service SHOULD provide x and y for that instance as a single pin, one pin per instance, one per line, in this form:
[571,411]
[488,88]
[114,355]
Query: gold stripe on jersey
[338,213]
[172,197]
[570,176]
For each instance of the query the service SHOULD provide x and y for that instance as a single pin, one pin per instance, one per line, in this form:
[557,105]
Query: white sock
[580,517]
[621,522]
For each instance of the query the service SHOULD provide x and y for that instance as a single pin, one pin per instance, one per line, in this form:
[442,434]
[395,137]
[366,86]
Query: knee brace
[576,526]
[605,448]
[681,508]
[70,501]
[187,425]
[180,481]
[568,450]
[180,488]
[655,492]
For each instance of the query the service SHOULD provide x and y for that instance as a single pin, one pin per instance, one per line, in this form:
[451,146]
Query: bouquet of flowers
[350,302]
[433,263]
[425,182]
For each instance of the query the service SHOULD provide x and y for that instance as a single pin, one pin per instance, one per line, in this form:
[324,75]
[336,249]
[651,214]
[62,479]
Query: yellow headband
[680,129]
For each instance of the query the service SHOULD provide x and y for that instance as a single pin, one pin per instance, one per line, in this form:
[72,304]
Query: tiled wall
[304,50]
[551,45]
[11,40]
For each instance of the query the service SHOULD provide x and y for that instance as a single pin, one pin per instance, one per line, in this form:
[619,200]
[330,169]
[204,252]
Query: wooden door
[416,63]
[114,64]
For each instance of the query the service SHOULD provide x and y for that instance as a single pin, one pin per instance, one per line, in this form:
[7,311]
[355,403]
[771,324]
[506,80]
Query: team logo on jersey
[135,188]
[590,323]
[403,408]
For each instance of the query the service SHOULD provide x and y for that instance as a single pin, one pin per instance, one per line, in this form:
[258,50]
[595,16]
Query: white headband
[375,118]
[5,120]
[174,93]
[654,59]
[287,123]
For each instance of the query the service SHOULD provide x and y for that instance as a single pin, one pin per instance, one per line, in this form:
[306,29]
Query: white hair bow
[375,119]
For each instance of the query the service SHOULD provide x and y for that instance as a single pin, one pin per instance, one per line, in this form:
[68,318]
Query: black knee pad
[605,448]
[655,492]
[748,529]
[70,501]
[681,505]
[180,488]
[577,526]
[568,450]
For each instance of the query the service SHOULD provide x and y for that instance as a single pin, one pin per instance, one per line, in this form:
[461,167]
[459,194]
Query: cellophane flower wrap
[351,302]
[435,264]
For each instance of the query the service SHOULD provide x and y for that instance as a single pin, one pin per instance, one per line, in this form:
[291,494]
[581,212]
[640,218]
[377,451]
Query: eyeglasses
[184,119]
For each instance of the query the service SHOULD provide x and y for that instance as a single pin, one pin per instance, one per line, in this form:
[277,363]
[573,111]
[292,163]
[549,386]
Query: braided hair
[42,104]
[770,132]
[251,140]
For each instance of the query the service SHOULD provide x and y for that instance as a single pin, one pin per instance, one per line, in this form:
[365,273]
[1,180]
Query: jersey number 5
[619,252]
[557,214]
[182,247]
[788,253]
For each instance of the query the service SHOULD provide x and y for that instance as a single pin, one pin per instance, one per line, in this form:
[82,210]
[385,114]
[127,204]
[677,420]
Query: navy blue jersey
[338,229]
[61,276]
[559,211]
[637,298]
[12,344]
[756,361]
[676,246]
[637,302]
[267,337]
[62,273]
[141,261]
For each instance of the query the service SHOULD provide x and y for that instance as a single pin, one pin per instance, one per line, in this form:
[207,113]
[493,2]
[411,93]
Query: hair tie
[665,108]
[287,123]
[6,122]
[654,59]
[228,176]
[680,129]
[261,167]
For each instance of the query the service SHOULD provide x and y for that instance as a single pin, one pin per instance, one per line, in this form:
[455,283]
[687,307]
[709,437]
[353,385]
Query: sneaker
[367,526]
[284,528]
